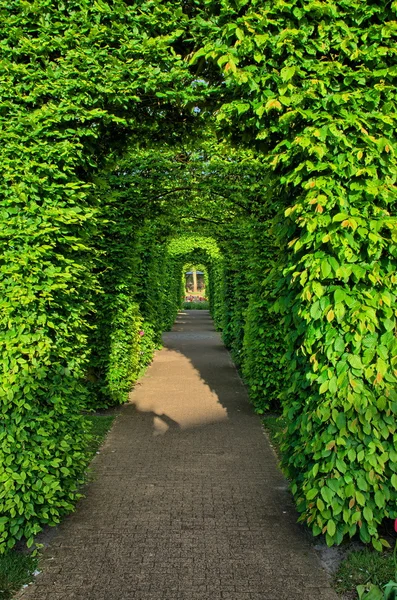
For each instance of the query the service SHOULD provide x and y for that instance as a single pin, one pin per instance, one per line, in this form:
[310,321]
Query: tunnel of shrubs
[254,137]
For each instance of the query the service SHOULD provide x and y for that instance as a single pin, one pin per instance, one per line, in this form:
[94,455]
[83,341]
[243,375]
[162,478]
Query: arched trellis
[193,248]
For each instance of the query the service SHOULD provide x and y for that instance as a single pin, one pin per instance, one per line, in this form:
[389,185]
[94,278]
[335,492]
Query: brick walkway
[187,502]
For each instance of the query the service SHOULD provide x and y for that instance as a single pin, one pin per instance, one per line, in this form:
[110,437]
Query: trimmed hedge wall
[115,121]
[313,86]
[197,249]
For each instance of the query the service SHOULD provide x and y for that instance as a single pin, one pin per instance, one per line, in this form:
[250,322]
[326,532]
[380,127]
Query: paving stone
[187,502]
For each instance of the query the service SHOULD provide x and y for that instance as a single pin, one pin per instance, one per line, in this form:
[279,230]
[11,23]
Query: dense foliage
[316,83]
[182,250]
[255,137]
[264,338]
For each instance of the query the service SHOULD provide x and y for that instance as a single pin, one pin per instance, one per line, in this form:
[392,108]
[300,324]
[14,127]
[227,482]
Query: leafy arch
[311,87]
[198,249]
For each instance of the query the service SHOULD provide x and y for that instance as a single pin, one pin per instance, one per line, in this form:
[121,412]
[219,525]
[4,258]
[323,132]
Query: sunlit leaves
[311,88]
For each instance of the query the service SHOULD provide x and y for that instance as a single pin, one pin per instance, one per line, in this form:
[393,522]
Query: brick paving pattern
[187,502]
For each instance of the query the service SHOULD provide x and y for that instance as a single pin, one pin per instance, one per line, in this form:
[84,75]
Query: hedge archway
[198,249]
[303,95]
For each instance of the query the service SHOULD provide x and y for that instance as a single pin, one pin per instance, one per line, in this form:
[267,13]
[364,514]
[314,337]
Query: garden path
[187,501]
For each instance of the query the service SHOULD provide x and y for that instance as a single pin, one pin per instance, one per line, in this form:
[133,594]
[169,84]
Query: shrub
[40,484]
[263,349]
[92,246]
[124,356]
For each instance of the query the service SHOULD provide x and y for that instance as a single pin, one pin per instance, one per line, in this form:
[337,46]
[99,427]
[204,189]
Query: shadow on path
[188,502]
[203,386]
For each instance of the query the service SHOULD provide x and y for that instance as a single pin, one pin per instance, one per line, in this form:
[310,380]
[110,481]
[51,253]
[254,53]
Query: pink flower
[395,525]
[141,333]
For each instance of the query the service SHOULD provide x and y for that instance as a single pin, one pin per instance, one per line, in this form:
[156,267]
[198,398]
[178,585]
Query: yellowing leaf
[273,104]
[230,66]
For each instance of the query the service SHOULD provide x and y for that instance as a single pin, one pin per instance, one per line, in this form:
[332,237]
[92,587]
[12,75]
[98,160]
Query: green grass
[100,426]
[196,305]
[361,567]
[17,568]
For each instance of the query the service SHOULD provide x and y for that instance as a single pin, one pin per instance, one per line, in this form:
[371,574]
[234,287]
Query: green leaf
[339,344]
[324,387]
[315,310]
[379,499]
[331,528]
[360,498]
[339,295]
[340,217]
[369,591]
[312,493]
[287,73]
[325,269]
[381,367]
[355,361]
[368,514]
[327,494]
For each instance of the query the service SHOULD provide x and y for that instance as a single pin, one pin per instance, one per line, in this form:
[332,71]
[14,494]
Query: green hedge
[313,86]
[203,305]
[196,249]
[236,294]
[263,348]
[42,461]
[124,355]
[263,365]
[102,174]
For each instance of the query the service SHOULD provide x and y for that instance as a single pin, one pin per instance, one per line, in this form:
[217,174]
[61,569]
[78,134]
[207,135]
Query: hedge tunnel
[255,137]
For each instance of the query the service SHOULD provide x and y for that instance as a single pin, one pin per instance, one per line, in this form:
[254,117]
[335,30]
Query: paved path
[188,503]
